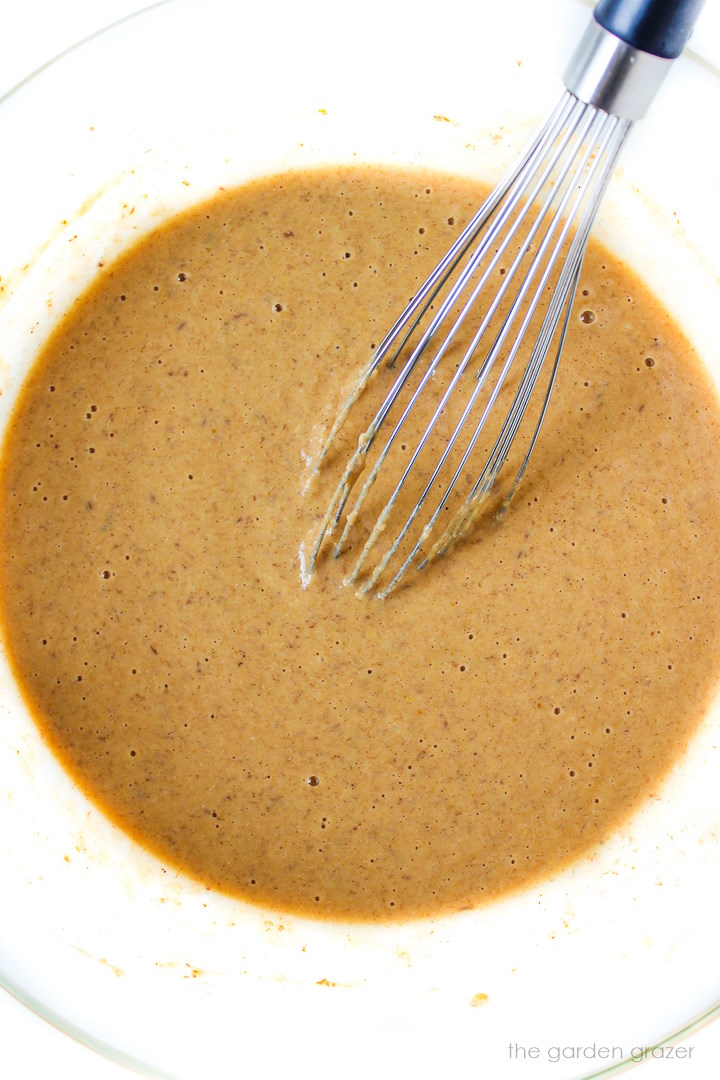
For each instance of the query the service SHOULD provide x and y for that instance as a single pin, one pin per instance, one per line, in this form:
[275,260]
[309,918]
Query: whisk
[538,219]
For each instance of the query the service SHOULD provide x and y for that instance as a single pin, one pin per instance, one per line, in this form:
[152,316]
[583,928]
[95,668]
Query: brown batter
[299,747]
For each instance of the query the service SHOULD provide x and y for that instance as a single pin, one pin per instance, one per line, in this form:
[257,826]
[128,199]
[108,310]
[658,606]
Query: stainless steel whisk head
[531,232]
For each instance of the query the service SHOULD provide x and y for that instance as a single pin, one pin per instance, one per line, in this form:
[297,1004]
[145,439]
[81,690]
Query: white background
[35,31]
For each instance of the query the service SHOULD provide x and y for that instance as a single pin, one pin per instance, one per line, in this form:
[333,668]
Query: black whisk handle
[660,27]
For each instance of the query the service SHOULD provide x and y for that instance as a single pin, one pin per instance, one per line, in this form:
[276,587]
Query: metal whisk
[538,220]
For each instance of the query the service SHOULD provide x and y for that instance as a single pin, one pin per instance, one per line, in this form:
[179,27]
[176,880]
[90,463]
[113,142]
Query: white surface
[30,1048]
[35,31]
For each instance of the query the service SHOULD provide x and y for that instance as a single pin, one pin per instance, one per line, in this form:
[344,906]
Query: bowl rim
[48,1014]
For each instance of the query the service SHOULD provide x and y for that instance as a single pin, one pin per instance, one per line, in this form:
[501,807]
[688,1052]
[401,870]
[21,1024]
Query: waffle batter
[298,747]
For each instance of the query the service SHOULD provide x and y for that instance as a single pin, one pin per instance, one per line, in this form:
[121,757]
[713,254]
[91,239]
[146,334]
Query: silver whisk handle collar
[613,76]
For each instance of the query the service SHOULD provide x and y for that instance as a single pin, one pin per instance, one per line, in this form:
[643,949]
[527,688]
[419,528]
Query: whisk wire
[560,181]
[446,307]
[593,122]
[464,516]
[448,304]
[575,261]
[435,281]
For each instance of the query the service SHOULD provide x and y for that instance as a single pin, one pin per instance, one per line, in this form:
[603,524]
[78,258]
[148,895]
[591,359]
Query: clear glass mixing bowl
[616,954]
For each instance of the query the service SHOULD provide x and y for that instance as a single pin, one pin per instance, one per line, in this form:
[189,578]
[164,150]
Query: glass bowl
[598,964]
